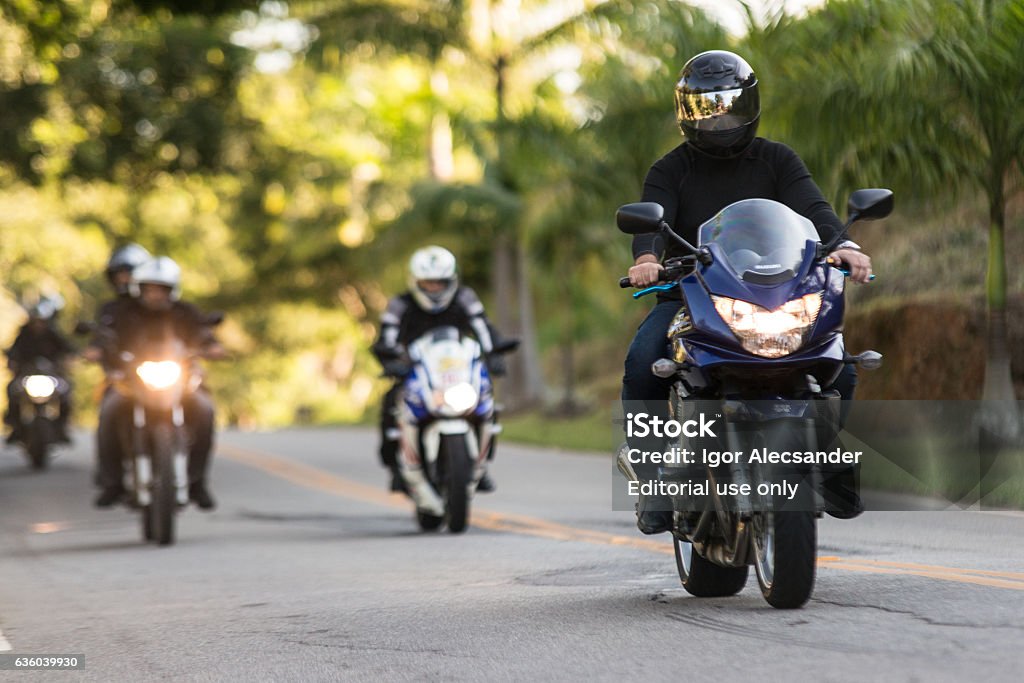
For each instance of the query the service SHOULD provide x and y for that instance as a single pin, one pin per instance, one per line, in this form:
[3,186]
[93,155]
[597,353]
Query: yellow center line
[317,479]
[911,566]
[957,575]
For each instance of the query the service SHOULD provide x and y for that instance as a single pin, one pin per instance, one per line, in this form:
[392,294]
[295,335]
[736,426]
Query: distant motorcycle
[41,390]
[157,379]
[448,426]
[759,335]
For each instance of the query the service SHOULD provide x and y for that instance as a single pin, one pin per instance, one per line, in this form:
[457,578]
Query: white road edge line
[5,644]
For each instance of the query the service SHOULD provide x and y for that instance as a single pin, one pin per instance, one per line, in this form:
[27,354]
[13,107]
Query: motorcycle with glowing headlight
[41,390]
[758,336]
[156,380]
[448,426]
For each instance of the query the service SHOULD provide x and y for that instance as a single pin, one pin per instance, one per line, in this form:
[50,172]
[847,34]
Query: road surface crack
[920,617]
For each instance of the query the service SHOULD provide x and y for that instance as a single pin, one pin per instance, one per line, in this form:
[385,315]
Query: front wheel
[458,475]
[785,546]
[38,444]
[703,578]
[39,452]
[164,499]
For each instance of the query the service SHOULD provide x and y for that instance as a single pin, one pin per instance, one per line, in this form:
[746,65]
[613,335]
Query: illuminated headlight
[460,398]
[39,387]
[771,334]
[159,374]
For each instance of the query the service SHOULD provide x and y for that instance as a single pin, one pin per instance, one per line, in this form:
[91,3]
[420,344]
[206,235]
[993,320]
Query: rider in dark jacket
[153,312]
[37,339]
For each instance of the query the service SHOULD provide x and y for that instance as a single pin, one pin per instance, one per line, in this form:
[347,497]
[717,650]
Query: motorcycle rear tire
[705,579]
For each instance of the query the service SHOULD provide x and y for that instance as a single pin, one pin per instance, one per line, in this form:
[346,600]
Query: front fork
[419,469]
[143,459]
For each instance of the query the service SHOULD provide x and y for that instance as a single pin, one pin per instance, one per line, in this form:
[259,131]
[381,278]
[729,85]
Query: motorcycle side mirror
[506,345]
[640,217]
[82,327]
[869,204]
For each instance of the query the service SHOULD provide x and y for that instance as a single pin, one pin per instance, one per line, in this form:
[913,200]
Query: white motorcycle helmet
[432,278]
[46,308]
[161,270]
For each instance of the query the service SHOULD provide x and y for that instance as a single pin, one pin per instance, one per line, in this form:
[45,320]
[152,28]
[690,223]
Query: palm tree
[926,94]
[508,40]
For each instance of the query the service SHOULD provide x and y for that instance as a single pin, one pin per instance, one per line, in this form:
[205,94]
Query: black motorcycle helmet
[125,259]
[717,103]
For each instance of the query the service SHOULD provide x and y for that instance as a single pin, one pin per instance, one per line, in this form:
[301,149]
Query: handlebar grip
[624,283]
[846,273]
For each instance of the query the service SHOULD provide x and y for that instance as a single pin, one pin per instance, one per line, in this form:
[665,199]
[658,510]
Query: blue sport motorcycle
[757,337]
[448,425]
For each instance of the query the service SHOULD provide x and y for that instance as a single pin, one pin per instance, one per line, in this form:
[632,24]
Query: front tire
[38,445]
[164,499]
[703,578]
[785,548]
[458,475]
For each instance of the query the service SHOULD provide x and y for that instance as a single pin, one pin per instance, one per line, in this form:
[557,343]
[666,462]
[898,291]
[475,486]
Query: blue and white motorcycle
[448,426]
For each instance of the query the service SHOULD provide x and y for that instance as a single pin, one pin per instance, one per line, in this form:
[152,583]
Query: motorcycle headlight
[159,374]
[460,398]
[39,387]
[771,334]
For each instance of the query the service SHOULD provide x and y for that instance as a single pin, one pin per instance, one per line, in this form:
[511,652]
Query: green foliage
[292,197]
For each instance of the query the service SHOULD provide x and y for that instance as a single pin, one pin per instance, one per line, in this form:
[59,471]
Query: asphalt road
[309,571]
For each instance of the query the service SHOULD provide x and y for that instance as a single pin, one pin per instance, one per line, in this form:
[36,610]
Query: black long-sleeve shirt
[404,321]
[693,187]
[136,327]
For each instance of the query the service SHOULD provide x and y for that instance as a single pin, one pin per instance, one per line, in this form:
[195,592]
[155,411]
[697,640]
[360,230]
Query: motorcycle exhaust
[623,464]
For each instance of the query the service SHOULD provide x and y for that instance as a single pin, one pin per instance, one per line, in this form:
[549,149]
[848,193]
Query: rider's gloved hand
[397,368]
[857,262]
[496,364]
[646,271]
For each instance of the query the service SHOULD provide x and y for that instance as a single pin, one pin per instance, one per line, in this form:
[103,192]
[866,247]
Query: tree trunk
[503,284]
[529,352]
[1000,418]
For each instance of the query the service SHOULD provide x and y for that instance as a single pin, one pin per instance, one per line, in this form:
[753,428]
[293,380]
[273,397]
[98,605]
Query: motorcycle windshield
[446,356]
[764,242]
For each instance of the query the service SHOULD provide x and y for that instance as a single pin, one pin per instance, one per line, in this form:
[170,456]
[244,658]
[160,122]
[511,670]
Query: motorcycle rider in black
[434,299]
[153,309]
[119,274]
[720,162]
[38,338]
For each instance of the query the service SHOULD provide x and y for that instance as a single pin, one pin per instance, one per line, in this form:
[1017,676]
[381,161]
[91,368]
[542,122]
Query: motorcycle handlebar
[670,274]
[667,274]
